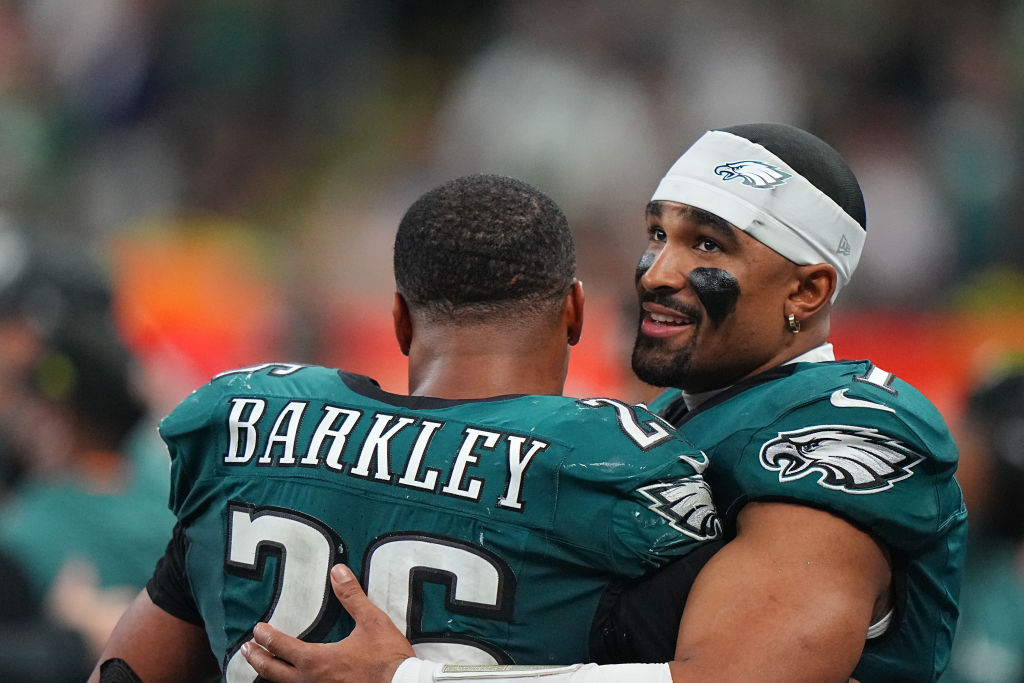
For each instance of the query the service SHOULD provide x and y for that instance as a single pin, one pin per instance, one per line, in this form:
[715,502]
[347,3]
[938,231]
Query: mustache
[666,300]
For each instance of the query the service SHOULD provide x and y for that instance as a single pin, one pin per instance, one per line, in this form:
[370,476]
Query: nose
[663,269]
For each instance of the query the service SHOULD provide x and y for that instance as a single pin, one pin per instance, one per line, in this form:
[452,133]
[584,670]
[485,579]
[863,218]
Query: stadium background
[240,166]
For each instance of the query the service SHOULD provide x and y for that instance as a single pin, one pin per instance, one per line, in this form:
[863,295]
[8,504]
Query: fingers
[277,643]
[350,593]
[268,666]
[279,657]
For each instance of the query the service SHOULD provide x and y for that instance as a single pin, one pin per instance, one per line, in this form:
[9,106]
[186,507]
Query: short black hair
[811,157]
[483,245]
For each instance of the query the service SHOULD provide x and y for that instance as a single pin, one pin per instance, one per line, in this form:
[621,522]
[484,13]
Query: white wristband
[415,670]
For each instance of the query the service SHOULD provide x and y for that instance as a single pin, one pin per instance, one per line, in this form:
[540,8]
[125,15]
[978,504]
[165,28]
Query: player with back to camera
[845,527]
[489,514]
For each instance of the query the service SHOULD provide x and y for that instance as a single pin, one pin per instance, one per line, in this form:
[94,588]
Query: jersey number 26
[395,566]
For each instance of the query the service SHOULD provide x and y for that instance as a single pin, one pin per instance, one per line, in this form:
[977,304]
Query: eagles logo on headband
[753,173]
[809,210]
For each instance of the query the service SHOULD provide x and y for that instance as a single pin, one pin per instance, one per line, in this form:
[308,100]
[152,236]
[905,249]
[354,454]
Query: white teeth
[659,318]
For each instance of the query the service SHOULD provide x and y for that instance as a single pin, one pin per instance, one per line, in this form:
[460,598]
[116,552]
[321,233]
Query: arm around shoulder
[790,599]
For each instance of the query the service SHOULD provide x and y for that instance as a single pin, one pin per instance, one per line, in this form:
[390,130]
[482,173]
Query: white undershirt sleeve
[415,670]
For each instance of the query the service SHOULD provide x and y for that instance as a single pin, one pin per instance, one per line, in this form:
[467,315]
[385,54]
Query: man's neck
[818,354]
[480,361]
[482,376]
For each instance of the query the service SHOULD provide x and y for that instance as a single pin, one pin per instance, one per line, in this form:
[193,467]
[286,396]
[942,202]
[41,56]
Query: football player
[488,514]
[845,526]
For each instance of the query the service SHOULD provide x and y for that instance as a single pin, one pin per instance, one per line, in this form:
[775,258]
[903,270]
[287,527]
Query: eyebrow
[653,209]
[705,218]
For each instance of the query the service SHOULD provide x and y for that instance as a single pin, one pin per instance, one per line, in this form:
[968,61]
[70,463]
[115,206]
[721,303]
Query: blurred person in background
[559,96]
[83,520]
[989,645]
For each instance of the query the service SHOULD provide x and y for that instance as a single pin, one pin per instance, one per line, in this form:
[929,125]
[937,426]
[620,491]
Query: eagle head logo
[686,504]
[757,174]
[850,459]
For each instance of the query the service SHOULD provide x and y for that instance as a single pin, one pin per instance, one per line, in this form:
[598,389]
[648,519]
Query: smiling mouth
[665,315]
[661,321]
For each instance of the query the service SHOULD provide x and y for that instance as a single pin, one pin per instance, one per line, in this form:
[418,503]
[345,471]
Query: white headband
[748,186]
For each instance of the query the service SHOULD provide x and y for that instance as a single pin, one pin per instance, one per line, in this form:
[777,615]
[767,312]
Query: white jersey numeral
[646,434]
[879,377]
[307,554]
[396,567]
[477,583]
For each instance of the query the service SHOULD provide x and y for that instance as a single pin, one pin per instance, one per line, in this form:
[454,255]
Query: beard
[660,366]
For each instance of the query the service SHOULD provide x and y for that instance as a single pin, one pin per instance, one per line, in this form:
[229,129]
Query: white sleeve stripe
[881,626]
[415,670]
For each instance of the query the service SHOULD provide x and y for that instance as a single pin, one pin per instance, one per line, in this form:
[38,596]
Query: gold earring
[794,324]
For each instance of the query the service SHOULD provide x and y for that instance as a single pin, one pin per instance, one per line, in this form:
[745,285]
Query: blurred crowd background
[196,185]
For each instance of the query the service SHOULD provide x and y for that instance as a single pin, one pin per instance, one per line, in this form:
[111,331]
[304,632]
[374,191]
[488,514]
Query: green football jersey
[853,439]
[487,529]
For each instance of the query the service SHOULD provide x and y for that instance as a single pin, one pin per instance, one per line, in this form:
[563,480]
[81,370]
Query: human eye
[707,244]
[656,234]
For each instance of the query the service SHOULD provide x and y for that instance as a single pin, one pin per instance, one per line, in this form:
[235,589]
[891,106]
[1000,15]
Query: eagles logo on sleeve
[850,459]
[687,505]
[753,173]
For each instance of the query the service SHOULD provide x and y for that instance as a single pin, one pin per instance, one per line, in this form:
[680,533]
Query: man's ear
[574,312]
[403,323]
[813,290]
